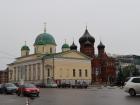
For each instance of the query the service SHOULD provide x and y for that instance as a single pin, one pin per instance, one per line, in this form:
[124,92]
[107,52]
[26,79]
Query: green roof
[25,47]
[65,46]
[44,38]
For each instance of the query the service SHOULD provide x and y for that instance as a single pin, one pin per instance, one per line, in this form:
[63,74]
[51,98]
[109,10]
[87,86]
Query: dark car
[64,85]
[28,90]
[39,85]
[8,88]
[17,84]
[80,85]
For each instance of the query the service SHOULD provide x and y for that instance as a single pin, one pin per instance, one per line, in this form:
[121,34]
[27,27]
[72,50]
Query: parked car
[1,88]
[8,88]
[28,90]
[51,85]
[17,84]
[132,86]
[40,85]
[80,85]
[64,85]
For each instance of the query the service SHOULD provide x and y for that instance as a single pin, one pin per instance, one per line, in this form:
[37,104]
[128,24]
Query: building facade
[4,76]
[46,65]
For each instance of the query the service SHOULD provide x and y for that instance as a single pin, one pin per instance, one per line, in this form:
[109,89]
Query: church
[46,65]
[103,66]
[69,66]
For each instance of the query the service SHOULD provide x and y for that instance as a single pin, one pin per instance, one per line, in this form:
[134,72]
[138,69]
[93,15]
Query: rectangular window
[14,73]
[25,72]
[80,73]
[18,73]
[21,72]
[29,72]
[34,71]
[86,74]
[38,69]
[74,73]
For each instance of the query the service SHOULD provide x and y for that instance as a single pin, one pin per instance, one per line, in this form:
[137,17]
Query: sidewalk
[103,86]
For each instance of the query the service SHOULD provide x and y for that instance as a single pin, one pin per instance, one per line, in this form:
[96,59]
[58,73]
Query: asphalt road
[91,96]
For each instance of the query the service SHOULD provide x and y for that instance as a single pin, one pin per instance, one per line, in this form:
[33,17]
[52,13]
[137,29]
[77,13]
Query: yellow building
[45,64]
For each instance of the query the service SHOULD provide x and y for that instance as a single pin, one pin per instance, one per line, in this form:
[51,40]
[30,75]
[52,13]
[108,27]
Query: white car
[132,86]
[51,85]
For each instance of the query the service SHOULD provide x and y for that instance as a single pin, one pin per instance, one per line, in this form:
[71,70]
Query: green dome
[65,46]
[25,47]
[44,39]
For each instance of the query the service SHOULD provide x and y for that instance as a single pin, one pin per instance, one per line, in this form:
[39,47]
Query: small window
[74,73]
[80,73]
[136,80]
[86,73]
[50,50]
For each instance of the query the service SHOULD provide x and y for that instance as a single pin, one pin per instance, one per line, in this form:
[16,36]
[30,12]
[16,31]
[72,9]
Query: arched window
[86,73]
[74,73]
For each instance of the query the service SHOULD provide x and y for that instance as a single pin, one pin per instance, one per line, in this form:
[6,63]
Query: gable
[28,58]
[73,54]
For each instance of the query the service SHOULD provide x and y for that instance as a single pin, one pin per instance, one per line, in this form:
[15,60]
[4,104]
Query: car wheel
[6,92]
[132,92]
[18,93]
[24,94]
[37,94]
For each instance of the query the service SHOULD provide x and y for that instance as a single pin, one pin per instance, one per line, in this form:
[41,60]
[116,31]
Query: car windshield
[29,85]
[10,85]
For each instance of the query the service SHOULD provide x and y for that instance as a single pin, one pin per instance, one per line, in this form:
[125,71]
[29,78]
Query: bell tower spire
[25,43]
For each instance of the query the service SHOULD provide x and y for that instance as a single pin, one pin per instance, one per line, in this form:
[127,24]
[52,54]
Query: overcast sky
[115,22]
